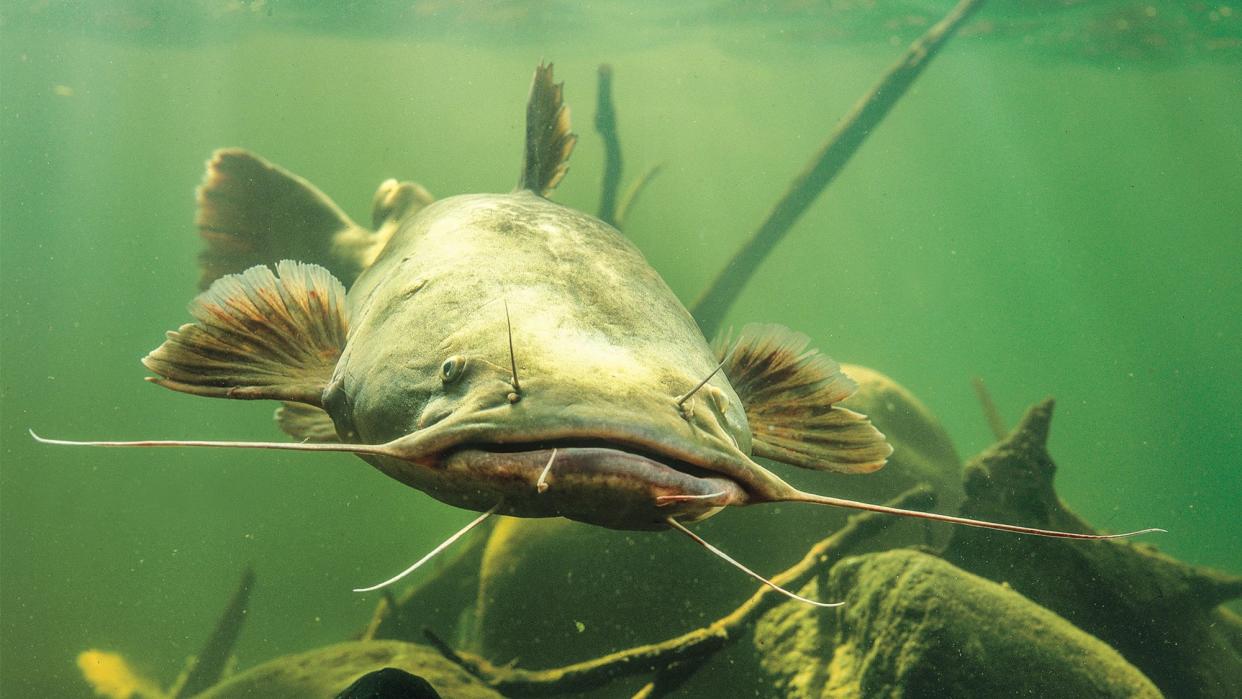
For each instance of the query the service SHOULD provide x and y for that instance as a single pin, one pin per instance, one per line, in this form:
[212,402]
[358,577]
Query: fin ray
[258,335]
[790,392]
[252,212]
[549,140]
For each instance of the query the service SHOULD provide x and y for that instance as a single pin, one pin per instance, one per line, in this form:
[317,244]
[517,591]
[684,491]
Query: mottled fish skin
[603,349]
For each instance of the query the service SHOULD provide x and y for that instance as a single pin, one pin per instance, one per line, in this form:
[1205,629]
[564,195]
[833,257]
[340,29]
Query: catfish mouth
[616,484]
[570,445]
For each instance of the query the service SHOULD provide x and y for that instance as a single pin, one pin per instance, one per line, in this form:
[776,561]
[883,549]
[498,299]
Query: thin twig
[671,678]
[209,665]
[850,133]
[699,643]
[606,125]
[990,411]
[633,191]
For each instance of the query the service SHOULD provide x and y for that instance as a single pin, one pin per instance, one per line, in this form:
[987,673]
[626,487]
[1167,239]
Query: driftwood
[606,125]
[207,668]
[610,210]
[633,191]
[1162,614]
[710,308]
[661,658]
[990,412]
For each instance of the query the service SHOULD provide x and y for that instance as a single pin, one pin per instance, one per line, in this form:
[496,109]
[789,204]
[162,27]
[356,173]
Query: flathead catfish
[502,353]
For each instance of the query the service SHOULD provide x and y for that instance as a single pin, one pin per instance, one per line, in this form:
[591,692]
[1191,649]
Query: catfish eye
[452,368]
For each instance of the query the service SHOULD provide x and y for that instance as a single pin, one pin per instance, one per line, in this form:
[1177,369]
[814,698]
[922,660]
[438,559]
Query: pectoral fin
[306,423]
[548,138]
[790,393]
[258,335]
[251,212]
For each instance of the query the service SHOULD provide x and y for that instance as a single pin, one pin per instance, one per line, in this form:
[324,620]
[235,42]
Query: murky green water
[1055,207]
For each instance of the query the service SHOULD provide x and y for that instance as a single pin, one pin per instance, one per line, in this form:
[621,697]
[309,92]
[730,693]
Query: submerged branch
[990,411]
[606,125]
[631,193]
[849,135]
[208,666]
[691,647]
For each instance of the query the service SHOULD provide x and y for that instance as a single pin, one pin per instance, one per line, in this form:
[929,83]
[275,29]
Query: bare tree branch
[851,132]
[606,125]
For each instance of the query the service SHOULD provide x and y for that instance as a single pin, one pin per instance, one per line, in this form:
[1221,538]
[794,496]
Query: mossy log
[1162,614]
[915,626]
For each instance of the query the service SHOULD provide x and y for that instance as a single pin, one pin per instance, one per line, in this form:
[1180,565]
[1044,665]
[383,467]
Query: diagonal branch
[606,125]
[209,665]
[850,133]
[696,644]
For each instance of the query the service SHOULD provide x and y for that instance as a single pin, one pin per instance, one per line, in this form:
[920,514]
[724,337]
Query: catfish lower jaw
[604,485]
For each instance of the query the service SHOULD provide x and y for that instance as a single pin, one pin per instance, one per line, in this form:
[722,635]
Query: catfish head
[522,353]
[502,353]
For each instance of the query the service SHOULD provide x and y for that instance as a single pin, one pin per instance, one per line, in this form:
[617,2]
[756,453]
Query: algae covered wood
[325,672]
[1163,614]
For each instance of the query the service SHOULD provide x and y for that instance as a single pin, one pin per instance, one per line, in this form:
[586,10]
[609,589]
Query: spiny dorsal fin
[259,335]
[306,423]
[790,393]
[548,139]
[251,212]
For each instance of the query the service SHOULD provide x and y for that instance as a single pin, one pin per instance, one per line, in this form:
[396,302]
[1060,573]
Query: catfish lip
[597,481]
[523,456]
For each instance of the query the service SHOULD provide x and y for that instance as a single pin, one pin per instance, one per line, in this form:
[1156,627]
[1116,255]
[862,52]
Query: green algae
[915,626]
[326,671]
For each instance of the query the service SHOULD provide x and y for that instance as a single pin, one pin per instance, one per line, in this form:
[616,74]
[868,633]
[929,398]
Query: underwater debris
[610,211]
[990,412]
[606,126]
[915,626]
[211,663]
[111,676]
[848,136]
[1162,614]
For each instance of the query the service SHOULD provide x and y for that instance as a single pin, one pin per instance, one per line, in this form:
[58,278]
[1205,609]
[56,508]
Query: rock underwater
[327,671]
[1162,614]
[915,626]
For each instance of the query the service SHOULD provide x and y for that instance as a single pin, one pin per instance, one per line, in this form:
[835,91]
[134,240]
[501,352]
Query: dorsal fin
[259,335]
[790,394]
[548,138]
[251,212]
